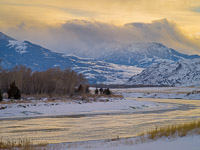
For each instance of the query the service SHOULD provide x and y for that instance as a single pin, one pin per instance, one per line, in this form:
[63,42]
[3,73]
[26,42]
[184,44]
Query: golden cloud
[45,14]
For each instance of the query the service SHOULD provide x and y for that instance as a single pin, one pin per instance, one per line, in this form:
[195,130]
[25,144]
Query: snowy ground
[182,143]
[105,105]
[77,107]
[43,107]
[161,92]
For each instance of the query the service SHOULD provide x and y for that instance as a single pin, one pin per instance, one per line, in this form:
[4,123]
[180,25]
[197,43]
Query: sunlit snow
[20,46]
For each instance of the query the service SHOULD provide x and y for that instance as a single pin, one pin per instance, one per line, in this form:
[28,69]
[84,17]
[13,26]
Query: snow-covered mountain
[140,54]
[13,53]
[115,63]
[184,72]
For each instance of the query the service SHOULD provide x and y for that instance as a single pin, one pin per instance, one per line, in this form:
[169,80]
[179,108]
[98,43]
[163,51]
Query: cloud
[165,32]
[85,37]
[46,12]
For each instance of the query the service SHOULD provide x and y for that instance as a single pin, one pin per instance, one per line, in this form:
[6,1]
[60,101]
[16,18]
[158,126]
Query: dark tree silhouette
[96,91]
[14,92]
[101,91]
[107,91]
[1,97]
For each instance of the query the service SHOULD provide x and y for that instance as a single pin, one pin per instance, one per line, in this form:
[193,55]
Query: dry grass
[173,131]
[22,144]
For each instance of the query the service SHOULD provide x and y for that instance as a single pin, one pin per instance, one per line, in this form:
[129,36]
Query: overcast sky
[81,25]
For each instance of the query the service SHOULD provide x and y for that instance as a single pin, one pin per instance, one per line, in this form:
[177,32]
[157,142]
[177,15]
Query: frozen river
[73,128]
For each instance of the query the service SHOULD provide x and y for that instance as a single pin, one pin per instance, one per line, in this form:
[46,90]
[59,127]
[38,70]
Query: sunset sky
[26,19]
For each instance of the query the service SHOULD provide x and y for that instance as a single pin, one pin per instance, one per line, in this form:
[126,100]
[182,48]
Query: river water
[98,127]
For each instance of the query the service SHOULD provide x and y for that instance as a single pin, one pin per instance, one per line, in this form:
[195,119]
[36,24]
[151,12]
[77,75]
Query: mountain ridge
[143,55]
[13,53]
[101,71]
[183,72]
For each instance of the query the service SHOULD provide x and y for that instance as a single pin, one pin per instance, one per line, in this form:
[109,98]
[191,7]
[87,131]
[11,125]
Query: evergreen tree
[14,92]
[107,91]
[101,91]
[96,91]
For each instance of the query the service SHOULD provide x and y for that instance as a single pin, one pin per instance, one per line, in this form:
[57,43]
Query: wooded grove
[51,81]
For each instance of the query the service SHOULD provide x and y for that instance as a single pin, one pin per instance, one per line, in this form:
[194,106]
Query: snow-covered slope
[184,72]
[13,52]
[140,54]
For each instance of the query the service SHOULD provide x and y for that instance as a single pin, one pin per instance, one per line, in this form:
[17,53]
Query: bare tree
[51,81]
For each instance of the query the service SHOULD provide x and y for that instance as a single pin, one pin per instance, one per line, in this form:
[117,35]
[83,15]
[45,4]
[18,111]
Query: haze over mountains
[115,66]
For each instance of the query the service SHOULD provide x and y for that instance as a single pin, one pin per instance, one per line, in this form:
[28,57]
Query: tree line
[51,81]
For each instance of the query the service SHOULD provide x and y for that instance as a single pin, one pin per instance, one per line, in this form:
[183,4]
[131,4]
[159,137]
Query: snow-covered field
[42,108]
[161,92]
[77,107]
[182,143]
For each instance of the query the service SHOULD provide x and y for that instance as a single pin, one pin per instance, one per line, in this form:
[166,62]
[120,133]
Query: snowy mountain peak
[116,64]
[142,54]
[13,52]
[184,72]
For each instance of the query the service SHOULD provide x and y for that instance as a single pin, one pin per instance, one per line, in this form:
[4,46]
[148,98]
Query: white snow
[20,46]
[161,92]
[181,143]
[104,105]
[57,108]
[72,55]
[184,73]
[113,73]
[56,65]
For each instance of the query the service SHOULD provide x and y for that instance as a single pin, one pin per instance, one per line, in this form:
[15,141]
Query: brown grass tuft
[173,131]
[22,144]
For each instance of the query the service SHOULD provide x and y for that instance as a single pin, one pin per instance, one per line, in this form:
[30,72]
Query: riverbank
[79,121]
[182,136]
